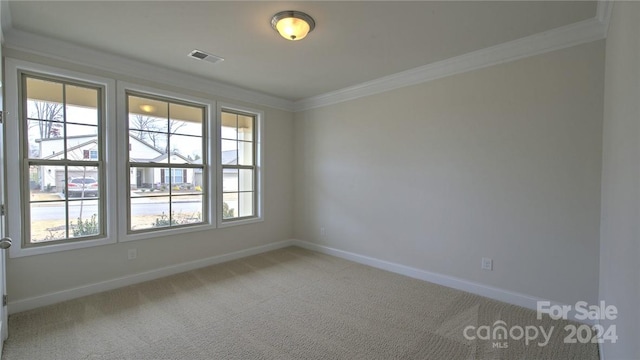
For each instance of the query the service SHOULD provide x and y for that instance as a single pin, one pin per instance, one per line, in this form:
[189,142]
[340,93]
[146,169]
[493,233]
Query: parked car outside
[86,186]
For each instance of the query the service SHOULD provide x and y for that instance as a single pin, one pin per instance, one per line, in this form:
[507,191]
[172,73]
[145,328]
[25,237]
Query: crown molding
[5,18]
[603,13]
[555,39]
[570,35]
[79,55]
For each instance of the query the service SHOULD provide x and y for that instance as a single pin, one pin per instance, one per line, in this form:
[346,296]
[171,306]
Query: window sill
[231,223]
[17,250]
[165,232]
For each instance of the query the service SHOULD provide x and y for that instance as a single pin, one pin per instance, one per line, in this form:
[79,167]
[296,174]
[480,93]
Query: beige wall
[502,162]
[43,274]
[620,233]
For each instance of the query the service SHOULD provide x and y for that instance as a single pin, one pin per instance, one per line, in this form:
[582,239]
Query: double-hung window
[173,164]
[56,147]
[239,164]
[167,163]
[62,121]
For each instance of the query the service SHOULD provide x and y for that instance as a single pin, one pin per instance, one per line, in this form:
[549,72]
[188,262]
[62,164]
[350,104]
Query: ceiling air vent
[201,55]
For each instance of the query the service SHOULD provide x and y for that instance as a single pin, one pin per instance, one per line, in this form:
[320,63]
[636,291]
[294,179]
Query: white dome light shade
[292,25]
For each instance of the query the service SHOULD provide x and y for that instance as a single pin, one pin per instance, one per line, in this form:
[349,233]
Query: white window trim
[123,186]
[14,206]
[259,141]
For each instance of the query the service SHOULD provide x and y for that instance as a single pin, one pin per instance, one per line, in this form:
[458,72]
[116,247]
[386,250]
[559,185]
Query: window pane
[185,149]
[246,180]
[229,205]
[81,105]
[46,139]
[145,113]
[198,181]
[44,110]
[186,120]
[146,146]
[82,181]
[229,180]
[245,128]
[186,209]
[84,219]
[229,152]
[147,123]
[187,181]
[245,153]
[147,182]
[246,204]
[36,190]
[179,176]
[46,182]
[81,140]
[149,212]
[44,99]
[78,134]
[229,127]
[154,181]
[180,180]
[48,221]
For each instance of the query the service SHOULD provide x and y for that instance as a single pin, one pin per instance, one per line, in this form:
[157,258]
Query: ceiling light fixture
[292,25]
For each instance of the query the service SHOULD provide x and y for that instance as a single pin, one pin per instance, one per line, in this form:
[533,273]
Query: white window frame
[14,154]
[259,165]
[123,139]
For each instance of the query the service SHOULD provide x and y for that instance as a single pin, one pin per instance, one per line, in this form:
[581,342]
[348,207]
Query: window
[166,162]
[178,176]
[239,160]
[61,131]
[174,165]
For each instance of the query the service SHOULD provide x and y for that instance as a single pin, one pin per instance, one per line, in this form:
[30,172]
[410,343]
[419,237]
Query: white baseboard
[507,296]
[494,293]
[59,296]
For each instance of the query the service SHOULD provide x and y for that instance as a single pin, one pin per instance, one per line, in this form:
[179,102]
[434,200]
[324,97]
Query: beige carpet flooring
[285,304]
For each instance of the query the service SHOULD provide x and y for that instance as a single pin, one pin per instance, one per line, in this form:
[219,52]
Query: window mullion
[64,121]
[66,199]
[169,168]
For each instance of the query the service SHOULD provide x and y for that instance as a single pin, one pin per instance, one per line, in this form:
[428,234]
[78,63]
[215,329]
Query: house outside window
[178,176]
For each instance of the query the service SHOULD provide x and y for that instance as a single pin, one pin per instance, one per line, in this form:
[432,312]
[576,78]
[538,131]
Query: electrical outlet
[323,232]
[487,264]
[132,254]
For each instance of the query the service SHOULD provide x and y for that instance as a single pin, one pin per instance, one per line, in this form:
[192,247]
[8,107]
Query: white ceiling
[353,42]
